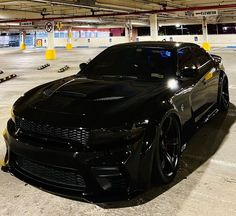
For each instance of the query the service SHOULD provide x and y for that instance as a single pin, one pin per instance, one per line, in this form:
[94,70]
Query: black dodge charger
[118,125]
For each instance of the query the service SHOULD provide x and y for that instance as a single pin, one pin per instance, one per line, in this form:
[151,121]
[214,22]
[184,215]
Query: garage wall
[215,40]
[91,42]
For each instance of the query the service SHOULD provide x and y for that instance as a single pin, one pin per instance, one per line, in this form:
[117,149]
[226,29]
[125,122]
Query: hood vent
[108,98]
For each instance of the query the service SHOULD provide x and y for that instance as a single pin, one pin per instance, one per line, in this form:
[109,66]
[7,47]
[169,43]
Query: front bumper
[96,176]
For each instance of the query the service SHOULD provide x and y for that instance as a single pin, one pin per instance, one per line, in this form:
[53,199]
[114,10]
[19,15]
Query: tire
[223,96]
[167,153]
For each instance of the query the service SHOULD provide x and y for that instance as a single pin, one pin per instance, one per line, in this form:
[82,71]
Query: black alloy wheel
[223,98]
[168,150]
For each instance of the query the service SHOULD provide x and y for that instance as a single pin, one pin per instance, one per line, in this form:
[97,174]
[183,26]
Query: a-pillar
[69,40]
[50,52]
[22,40]
[154,27]
[206,45]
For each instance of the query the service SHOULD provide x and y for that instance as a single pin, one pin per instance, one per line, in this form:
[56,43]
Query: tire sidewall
[221,106]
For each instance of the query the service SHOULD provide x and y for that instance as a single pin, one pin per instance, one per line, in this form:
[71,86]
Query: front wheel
[167,155]
[223,97]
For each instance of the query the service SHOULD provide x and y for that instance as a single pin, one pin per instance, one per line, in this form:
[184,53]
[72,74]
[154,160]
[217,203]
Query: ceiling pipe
[219,7]
[105,8]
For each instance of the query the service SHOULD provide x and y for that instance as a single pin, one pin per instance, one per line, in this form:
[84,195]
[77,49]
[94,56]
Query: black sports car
[119,124]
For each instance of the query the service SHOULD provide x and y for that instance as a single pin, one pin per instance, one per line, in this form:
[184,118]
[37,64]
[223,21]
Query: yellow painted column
[50,52]
[205,45]
[69,40]
[22,43]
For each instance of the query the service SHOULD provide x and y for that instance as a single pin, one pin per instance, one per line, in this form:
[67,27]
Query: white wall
[214,40]
[94,42]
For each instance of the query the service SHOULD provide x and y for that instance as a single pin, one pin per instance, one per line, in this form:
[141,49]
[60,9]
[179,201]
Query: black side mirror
[217,59]
[189,71]
[83,65]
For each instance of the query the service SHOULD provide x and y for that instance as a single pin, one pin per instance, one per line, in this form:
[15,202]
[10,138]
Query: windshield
[146,63]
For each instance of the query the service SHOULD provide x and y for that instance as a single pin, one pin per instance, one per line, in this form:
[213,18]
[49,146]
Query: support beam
[22,39]
[154,27]
[171,10]
[206,45]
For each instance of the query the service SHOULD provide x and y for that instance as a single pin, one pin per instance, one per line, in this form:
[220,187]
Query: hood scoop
[108,98]
[91,90]
[72,94]
[55,87]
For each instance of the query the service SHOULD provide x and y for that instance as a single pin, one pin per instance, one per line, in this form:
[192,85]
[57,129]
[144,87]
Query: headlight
[119,135]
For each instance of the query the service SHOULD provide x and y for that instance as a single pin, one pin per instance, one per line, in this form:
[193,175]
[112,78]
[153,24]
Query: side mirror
[189,71]
[83,65]
[217,59]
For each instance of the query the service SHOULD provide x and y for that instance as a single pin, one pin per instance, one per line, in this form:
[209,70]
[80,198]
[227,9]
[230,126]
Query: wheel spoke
[169,160]
[169,143]
[163,164]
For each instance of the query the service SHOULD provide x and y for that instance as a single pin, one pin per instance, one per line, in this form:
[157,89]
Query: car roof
[164,44]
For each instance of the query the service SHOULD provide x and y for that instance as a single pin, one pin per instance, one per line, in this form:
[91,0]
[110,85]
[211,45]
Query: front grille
[76,134]
[52,174]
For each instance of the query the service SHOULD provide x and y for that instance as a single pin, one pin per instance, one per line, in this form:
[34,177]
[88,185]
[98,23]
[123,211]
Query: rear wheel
[223,97]
[167,154]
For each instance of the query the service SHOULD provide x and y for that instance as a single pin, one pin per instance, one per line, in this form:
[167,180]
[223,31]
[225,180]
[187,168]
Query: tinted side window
[203,60]
[184,57]
[201,56]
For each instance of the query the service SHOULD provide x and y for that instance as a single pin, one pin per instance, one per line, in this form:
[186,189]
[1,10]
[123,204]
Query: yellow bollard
[50,54]
[69,46]
[22,46]
[206,46]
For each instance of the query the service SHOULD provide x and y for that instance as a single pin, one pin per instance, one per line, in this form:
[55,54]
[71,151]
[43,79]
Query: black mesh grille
[76,134]
[52,174]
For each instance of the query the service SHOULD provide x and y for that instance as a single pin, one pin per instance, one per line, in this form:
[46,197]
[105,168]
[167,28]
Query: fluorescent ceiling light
[9,24]
[88,20]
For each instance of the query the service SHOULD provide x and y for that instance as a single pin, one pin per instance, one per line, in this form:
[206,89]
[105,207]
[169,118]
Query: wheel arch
[165,110]
[161,120]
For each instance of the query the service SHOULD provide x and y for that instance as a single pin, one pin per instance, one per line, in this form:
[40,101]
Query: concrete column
[22,40]
[206,45]
[154,28]
[128,31]
[50,52]
[69,40]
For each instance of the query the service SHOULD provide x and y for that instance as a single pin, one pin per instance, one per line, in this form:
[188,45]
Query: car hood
[89,101]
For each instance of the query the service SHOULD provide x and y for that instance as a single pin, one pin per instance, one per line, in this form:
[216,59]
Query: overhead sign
[205,13]
[26,23]
[59,25]
[49,27]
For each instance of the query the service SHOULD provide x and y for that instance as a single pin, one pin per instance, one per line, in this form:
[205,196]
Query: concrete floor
[206,181]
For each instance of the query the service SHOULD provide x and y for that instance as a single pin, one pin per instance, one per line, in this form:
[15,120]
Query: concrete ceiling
[38,9]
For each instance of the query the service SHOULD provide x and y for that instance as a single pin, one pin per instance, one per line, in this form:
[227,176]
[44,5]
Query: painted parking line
[213,161]
[232,86]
